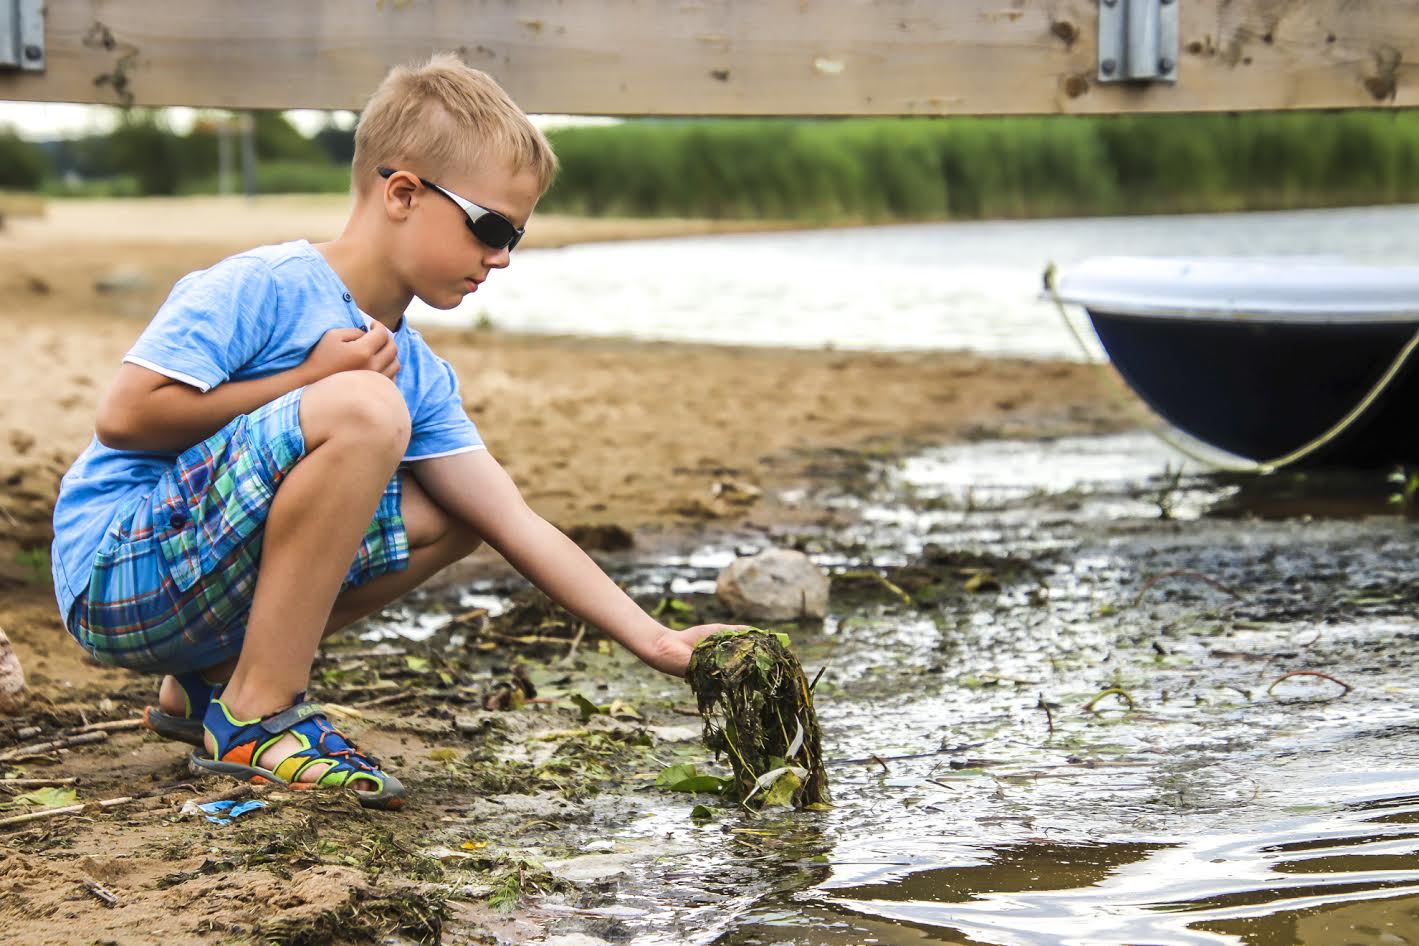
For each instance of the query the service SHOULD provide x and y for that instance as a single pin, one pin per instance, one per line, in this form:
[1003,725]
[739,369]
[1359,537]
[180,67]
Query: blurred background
[871,170]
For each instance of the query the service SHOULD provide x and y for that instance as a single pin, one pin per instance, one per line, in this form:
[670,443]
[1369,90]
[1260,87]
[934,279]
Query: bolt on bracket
[22,35]
[1138,40]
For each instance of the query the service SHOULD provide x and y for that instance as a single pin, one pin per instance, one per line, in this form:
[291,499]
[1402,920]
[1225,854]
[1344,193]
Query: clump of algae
[758,712]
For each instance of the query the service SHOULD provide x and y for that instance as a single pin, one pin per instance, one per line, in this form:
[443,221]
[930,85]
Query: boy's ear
[400,191]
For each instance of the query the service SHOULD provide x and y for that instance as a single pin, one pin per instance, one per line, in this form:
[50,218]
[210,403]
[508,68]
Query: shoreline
[663,445]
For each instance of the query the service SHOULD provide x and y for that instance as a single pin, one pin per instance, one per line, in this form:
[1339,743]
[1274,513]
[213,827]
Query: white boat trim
[1303,289]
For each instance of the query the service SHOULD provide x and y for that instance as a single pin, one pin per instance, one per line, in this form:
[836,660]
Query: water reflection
[1357,882]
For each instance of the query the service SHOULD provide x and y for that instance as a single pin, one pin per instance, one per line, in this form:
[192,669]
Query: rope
[1266,466]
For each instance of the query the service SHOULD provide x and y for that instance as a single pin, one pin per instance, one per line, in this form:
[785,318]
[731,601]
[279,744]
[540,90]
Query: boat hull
[1261,389]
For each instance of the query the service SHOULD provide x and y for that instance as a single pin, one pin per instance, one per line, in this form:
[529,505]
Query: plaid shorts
[172,584]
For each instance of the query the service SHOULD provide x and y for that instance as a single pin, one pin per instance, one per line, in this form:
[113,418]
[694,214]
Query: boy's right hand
[353,349]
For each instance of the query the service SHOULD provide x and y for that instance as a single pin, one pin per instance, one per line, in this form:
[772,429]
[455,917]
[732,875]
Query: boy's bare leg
[436,540]
[356,428]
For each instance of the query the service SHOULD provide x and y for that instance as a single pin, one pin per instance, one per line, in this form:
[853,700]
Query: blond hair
[444,116]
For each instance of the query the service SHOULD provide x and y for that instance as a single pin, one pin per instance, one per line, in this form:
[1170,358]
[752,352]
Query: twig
[27,732]
[116,725]
[1049,714]
[878,759]
[338,655]
[40,748]
[240,793]
[464,619]
[882,580]
[1182,573]
[66,810]
[36,782]
[1345,687]
[386,700]
[108,897]
[816,677]
[576,642]
[525,640]
[898,758]
[1111,691]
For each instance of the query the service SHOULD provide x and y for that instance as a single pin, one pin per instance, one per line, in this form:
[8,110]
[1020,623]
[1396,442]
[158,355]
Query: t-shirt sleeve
[213,322]
[441,427]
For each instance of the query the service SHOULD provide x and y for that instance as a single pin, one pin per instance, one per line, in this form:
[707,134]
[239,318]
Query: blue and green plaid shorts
[173,581]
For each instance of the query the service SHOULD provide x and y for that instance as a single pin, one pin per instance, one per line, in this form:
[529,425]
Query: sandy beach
[650,438]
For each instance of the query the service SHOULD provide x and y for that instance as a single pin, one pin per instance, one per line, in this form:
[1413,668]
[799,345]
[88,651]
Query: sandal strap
[288,718]
[246,741]
[197,693]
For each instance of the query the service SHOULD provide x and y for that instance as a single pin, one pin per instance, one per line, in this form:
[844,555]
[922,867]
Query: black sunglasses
[488,226]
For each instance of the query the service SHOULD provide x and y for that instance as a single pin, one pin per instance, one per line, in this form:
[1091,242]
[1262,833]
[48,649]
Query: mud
[1055,707]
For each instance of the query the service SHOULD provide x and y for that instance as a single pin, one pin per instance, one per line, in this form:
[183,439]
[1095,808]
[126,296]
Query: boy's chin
[441,302]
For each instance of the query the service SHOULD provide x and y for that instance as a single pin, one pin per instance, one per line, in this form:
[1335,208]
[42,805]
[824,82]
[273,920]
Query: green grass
[916,169]
[877,169]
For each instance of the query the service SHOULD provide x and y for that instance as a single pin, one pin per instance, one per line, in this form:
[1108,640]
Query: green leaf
[48,798]
[674,774]
[701,783]
[686,778]
[672,606]
[701,813]
[416,664]
[588,708]
[781,792]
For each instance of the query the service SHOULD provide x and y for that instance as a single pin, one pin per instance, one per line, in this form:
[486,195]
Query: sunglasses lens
[495,230]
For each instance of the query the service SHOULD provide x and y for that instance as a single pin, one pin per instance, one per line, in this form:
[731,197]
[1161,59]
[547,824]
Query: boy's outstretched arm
[474,488]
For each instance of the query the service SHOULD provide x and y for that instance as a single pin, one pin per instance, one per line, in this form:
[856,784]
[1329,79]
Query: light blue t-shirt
[254,314]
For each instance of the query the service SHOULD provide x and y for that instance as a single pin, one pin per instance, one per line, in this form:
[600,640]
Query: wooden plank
[728,57]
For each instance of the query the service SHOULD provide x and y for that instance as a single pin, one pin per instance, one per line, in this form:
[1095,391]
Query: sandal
[240,744]
[197,693]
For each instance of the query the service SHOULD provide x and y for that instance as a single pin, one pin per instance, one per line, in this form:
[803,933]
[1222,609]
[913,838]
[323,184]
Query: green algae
[758,712]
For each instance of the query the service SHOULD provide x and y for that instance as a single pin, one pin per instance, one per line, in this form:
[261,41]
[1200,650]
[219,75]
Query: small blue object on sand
[230,809]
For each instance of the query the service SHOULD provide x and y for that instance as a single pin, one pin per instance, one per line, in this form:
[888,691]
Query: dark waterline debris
[758,712]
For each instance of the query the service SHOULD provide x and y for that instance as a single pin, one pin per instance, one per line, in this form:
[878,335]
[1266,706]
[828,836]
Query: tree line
[830,170]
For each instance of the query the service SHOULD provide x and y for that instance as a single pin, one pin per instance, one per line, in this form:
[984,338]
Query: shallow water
[1214,813]
[971,286]
[1104,751]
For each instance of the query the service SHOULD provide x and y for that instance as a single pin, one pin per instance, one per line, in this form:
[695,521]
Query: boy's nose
[497,259]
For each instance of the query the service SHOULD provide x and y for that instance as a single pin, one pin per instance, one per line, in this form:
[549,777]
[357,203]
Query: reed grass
[915,169]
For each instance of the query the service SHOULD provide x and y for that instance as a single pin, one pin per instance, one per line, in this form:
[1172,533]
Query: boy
[281,454]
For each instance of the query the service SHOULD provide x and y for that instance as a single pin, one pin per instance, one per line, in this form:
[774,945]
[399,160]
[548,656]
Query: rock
[12,677]
[775,585]
[574,939]
[592,867]
[126,278]
[736,493]
[601,538]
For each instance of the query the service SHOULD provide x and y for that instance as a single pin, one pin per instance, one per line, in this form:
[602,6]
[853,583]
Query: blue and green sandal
[197,693]
[241,743]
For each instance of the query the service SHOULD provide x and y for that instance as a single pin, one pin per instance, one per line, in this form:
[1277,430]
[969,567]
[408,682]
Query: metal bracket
[22,35]
[1138,40]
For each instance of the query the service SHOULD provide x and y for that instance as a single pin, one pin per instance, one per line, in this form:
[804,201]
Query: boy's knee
[362,404]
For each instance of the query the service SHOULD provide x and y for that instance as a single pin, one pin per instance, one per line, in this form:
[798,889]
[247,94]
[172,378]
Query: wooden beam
[725,57]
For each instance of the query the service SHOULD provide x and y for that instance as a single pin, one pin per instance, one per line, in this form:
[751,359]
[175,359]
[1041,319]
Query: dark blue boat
[1260,357]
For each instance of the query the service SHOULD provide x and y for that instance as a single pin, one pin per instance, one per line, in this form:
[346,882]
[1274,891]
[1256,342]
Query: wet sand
[654,439]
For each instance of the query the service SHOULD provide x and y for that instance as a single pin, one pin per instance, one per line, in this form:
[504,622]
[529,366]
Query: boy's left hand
[671,653]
